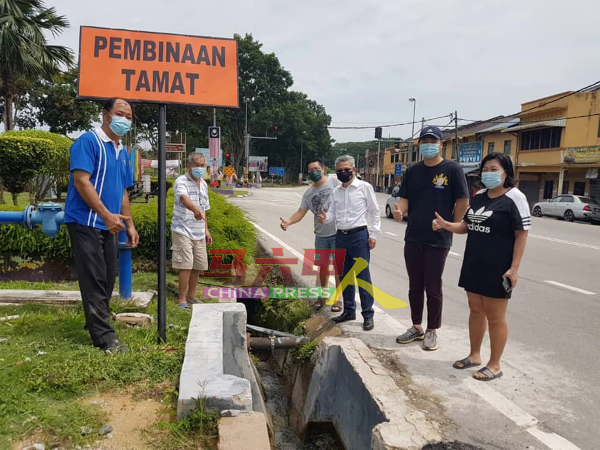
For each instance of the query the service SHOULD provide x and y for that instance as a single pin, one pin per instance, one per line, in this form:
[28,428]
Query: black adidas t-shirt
[491,224]
[430,190]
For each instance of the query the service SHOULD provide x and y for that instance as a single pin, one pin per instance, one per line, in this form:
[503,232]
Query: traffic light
[276,128]
[378,132]
[227,159]
[243,162]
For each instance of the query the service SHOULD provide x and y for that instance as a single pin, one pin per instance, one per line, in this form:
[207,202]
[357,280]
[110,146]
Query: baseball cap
[431,131]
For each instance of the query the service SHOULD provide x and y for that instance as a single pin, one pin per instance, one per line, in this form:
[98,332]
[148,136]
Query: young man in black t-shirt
[430,186]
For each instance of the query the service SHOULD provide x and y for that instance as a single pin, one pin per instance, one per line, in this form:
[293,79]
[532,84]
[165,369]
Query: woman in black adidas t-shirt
[497,223]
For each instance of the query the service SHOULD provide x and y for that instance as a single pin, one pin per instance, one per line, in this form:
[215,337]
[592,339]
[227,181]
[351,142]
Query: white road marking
[519,416]
[454,254]
[572,288]
[496,400]
[392,234]
[562,241]
[298,194]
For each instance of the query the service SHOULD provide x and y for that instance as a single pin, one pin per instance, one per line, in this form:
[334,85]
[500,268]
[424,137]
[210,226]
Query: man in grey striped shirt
[189,228]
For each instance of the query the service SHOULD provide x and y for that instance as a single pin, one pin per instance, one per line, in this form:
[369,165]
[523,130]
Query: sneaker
[412,334]
[430,342]
[114,347]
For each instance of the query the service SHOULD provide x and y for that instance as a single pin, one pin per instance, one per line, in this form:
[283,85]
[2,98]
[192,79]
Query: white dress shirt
[351,206]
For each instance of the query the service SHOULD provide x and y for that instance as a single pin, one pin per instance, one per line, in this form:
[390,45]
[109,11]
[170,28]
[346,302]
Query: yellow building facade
[558,142]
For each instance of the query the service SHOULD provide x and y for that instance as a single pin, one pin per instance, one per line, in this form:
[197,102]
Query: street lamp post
[412,139]
[246,140]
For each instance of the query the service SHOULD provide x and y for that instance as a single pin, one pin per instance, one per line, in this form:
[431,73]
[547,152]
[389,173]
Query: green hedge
[227,224]
[154,183]
[21,158]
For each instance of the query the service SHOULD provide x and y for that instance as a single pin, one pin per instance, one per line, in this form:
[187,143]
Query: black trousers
[96,268]
[425,266]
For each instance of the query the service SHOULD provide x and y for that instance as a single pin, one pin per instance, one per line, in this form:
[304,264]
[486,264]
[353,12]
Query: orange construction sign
[157,68]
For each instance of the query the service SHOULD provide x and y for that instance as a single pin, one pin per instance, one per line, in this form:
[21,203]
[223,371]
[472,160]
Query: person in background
[96,210]
[497,225]
[189,228]
[434,184]
[316,199]
[353,207]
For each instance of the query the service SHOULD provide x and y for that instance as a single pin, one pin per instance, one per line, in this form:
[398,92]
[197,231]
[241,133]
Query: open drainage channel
[273,382]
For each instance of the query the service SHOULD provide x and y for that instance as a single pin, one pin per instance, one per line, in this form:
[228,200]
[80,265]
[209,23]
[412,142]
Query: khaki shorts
[188,254]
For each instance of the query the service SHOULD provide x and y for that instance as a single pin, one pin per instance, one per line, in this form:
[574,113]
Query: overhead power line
[386,126]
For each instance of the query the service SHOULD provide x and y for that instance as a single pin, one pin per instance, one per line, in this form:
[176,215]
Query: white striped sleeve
[521,218]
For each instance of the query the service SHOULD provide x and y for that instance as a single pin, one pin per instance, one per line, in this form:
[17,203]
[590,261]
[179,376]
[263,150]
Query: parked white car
[570,208]
[389,204]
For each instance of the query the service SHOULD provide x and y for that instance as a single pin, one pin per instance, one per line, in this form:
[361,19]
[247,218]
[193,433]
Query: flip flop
[183,306]
[489,375]
[319,304]
[337,307]
[466,363]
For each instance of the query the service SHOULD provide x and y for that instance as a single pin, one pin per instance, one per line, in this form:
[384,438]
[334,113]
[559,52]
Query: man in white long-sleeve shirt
[353,208]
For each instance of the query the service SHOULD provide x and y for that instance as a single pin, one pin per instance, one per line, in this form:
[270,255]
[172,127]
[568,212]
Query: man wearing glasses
[189,228]
[353,207]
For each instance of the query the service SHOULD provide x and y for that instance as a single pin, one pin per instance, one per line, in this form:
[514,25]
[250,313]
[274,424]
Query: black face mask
[344,177]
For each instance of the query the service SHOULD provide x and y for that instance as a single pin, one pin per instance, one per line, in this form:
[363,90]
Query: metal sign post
[162,223]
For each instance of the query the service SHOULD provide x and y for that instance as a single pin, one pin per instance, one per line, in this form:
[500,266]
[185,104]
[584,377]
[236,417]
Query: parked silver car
[389,204]
[569,207]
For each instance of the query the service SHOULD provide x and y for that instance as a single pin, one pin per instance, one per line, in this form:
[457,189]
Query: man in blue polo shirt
[96,210]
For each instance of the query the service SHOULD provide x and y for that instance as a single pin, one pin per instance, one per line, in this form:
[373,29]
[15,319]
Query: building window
[541,139]
[548,188]
[565,187]
[491,147]
[579,188]
[507,147]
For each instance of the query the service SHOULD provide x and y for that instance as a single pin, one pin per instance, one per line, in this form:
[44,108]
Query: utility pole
[378,151]
[455,146]
[412,137]
[246,141]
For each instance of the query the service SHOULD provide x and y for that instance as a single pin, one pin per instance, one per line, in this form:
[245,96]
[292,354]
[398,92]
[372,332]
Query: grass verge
[49,365]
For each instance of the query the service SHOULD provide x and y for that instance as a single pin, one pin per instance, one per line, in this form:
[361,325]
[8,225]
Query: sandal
[337,307]
[489,375]
[319,304]
[183,306]
[464,364]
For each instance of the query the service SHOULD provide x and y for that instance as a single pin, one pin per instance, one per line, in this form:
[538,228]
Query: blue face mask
[491,179]
[120,125]
[198,172]
[429,150]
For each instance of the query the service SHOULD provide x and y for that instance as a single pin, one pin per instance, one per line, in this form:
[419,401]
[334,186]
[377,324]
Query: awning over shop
[470,168]
[539,124]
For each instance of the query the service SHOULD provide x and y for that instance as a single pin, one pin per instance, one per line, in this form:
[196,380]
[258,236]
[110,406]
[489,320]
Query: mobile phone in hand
[507,285]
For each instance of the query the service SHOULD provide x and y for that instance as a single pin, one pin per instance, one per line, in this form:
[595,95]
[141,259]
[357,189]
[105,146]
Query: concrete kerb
[216,367]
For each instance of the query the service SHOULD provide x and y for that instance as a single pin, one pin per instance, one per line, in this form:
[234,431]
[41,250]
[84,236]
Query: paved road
[549,396]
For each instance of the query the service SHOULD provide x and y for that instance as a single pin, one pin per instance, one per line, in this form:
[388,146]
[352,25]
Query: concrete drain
[451,446]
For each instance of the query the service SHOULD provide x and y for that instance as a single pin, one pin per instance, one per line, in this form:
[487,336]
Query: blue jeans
[356,246]
[324,243]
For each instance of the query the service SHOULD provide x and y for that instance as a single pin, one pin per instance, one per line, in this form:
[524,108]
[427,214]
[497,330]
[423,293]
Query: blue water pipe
[51,216]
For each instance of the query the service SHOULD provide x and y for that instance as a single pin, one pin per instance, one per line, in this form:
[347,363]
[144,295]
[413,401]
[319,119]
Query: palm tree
[24,51]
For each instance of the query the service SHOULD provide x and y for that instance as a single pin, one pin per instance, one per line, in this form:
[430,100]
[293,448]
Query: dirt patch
[128,417]
[420,399]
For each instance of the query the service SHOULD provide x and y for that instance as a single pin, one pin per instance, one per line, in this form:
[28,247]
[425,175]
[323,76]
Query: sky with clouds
[363,59]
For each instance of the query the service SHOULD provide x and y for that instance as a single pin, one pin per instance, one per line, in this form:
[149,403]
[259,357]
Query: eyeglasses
[344,171]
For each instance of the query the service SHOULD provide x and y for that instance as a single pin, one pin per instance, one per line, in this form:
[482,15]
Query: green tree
[21,158]
[24,50]
[55,173]
[53,103]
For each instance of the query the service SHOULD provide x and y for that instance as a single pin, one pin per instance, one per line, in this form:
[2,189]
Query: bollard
[125,267]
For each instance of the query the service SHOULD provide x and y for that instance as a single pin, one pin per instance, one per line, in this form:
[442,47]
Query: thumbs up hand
[284,224]
[322,216]
[398,214]
[439,223]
